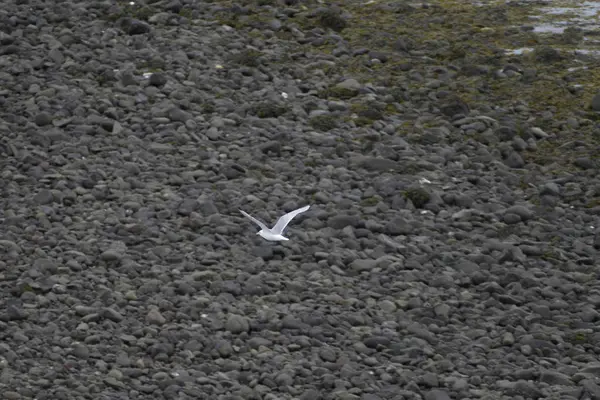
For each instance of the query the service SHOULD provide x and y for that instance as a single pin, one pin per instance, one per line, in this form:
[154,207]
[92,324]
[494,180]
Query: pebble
[155,317]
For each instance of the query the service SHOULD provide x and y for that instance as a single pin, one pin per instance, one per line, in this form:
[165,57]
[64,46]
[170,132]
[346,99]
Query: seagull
[275,234]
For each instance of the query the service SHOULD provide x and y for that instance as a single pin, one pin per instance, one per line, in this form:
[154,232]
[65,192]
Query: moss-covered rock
[572,35]
[546,54]
[418,196]
[325,122]
[338,92]
[269,110]
[332,19]
[248,58]
[369,110]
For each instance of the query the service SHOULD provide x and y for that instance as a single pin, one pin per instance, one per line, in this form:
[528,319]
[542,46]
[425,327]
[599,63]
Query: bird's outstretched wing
[285,220]
[257,222]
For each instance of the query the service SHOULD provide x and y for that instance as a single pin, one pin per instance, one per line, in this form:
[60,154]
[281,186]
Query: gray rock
[511,218]
[437,394]
[112,314]
[466,266]
[523,212]
[155,317]
[158,79]
[327,354]
[431,380]
[43,119]
[584,163]
[555,378]
[341,221]
[177,114]
[590,389]
[358,266]
[514,160]
[398,226]
[550,188]
[595,104]
[508,339]
[376,164]
[44,196]
[81,351]
[442,311]
[350,83]
[111,255]
[237,324]
[45,265]
[375,342]
[527,389]
[14,312]
[137,27]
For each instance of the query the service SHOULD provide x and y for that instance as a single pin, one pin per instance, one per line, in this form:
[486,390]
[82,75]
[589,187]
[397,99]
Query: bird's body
[275,234]
[270,236]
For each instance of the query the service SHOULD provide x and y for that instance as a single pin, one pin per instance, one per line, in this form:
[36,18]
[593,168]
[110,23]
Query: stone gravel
[431,265]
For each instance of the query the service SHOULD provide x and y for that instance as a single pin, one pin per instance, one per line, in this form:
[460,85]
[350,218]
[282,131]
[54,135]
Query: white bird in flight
[275,234]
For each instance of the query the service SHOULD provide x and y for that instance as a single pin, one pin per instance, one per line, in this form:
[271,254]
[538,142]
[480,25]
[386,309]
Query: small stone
[527,389]
[158,79]
[341,221]
[584,163]
[237,324]
[224,348]
[57,56]
[15,313]
[523,212]
[44,196]
[45,265]
[511,218]
[430,380]
[351,83]
[437,394]
[514,160]
[555,378]
[550,189]
[388,306]
[116,374]
[376,164]
[519,144]
[81,351]
[357,266]
[111,255]
[155,317]
[112,314]
[596,243]
[43,119]
[115,384]
[442,310]
[398,226]
[137,27]
[591,388]
[460,385]
[538,132]
[508,339]
[122,359]
[177,114]
[373,342]
[466,266]
[327,354]
[345,395]
[130,295]
[595,105]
